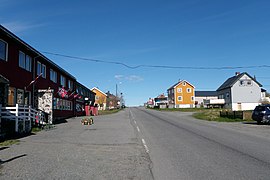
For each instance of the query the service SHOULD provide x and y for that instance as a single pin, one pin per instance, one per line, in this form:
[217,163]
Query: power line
[157,66]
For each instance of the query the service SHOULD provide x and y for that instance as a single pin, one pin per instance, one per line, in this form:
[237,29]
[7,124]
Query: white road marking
[131,114]
[145,146]
[135,122]
[138,129]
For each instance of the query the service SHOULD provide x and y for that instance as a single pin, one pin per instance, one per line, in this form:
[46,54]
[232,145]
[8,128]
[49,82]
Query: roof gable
[232,80]
[180,82]
[95,88]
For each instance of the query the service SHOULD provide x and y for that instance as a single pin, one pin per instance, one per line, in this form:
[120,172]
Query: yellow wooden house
[100,98]
[181,95]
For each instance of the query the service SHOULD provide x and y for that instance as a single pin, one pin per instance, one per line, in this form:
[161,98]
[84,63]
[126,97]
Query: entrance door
[11,96]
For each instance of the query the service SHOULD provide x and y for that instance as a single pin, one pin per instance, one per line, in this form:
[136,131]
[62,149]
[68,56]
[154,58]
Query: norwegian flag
[62,92]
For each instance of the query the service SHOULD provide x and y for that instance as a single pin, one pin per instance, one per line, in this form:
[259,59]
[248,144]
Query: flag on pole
[32,82]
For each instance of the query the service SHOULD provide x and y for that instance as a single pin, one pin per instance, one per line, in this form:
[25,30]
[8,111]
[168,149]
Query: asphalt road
[138,143]
[181,147]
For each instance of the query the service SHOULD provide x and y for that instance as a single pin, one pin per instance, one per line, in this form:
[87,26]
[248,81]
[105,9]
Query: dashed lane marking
[145,146]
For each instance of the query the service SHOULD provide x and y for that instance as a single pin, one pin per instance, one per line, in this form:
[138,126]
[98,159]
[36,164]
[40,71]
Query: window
[241,83]
[43,71]
[179,90]
[184,83]
[53,76]
[3,50]
[179,98]
[38,68]
[62,80]
[70,85]
[22,59]
[41,68]
[227,95]
[25,61]
[249,83]
[188,90]
[192,98]
[221,96]
[28,63]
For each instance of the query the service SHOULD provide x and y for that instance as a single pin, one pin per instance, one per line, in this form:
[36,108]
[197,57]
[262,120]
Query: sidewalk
[108,149]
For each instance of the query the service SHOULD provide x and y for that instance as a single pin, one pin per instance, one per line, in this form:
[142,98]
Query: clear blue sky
[186,33]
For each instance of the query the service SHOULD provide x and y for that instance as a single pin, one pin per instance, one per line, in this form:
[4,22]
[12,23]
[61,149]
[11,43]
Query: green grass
[180,109]
[9,142]
[36,129]
[205,114]
[106,112]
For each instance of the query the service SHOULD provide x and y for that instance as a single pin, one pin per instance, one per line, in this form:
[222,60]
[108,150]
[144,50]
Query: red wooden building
[27,77]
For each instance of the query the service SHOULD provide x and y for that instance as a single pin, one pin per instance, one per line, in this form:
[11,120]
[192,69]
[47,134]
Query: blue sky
[182,33]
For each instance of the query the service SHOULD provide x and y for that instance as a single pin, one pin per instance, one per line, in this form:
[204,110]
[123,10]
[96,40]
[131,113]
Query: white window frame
[25,61]
[179,98]
[22,59]
[189,90]
[184,83]
[70,85]
[6,51]
[43,70]
[28,59]
[38,68]
[63,80]
[249,82]
[53,76]
[179,90]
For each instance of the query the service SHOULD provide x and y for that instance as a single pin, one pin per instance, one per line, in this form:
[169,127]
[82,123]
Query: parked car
[261,114]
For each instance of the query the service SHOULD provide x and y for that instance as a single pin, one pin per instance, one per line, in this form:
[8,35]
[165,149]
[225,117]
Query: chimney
[237,73]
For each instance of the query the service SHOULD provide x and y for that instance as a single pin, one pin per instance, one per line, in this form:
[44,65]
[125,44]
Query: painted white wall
[244,106]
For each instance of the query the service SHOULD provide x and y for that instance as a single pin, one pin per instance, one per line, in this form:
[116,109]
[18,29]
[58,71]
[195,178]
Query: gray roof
[232,80]
[205,93]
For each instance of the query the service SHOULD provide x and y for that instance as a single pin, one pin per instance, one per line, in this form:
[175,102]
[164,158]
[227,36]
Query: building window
[192,98]
[53,76]
[41,68]
[25,61]
[188,90]
[249,83]
[179,98]
[179,90]
[20,96]
[3,50]
[227,95]
[63,81]
[43,71]
[70,85]
[184,83]
[22,59]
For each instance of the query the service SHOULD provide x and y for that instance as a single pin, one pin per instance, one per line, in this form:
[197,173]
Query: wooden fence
[23,116]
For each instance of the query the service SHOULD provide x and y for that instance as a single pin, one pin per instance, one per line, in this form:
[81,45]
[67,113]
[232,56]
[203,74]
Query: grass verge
[106,112]
[206,114]
[9,142]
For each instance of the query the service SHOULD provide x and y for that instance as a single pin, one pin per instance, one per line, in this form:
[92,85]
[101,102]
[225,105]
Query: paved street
[138,143]
[109,149]
[182,147]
